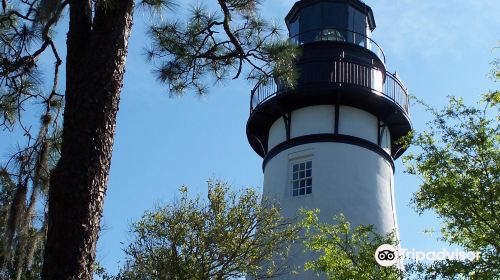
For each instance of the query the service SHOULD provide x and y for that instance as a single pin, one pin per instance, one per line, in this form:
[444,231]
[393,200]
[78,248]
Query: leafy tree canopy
[344,252]
[228,235]
[457,160]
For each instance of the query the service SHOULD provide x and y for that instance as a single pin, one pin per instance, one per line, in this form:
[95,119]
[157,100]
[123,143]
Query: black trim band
[321,138]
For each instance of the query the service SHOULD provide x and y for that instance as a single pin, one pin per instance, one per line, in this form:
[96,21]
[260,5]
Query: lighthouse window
[302,178]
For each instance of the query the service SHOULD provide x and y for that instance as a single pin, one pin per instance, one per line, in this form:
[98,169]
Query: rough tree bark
[97,49]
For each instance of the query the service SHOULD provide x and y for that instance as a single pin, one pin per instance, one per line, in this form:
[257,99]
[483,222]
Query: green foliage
[207,44]
[158,6]
[47,10]
[25,34]
[24,183]
[229,235]
[218,44]
[346,253]
[495,72]
[457,160]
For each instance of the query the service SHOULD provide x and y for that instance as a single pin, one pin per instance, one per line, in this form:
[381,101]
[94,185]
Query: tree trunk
[97,49]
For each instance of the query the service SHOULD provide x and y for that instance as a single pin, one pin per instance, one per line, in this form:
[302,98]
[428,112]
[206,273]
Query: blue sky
[438,48]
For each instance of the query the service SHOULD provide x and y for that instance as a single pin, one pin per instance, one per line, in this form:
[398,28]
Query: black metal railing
[338,35]
[341,73]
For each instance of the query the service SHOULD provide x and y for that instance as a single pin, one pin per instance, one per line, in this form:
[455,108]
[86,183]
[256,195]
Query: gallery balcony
[336,76]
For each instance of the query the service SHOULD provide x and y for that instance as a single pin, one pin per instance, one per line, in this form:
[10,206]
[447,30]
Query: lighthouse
[330,142]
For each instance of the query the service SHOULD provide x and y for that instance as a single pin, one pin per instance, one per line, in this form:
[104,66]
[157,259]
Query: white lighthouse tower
[330,143]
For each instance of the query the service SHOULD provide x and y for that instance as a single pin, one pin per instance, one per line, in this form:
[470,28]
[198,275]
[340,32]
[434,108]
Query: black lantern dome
[340,65]
[342,21]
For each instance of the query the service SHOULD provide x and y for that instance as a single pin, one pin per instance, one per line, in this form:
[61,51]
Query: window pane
[294,27]
[335,15]
[358,21]
[310,22]
[301,178]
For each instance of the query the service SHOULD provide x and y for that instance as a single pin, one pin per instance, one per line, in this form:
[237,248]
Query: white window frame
[300,180]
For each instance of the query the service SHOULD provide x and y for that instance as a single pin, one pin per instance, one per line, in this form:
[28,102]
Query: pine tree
[212,45]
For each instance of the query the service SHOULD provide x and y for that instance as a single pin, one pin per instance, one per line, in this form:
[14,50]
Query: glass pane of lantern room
[357,23]
[294,30]
[335,21]
[310,23]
